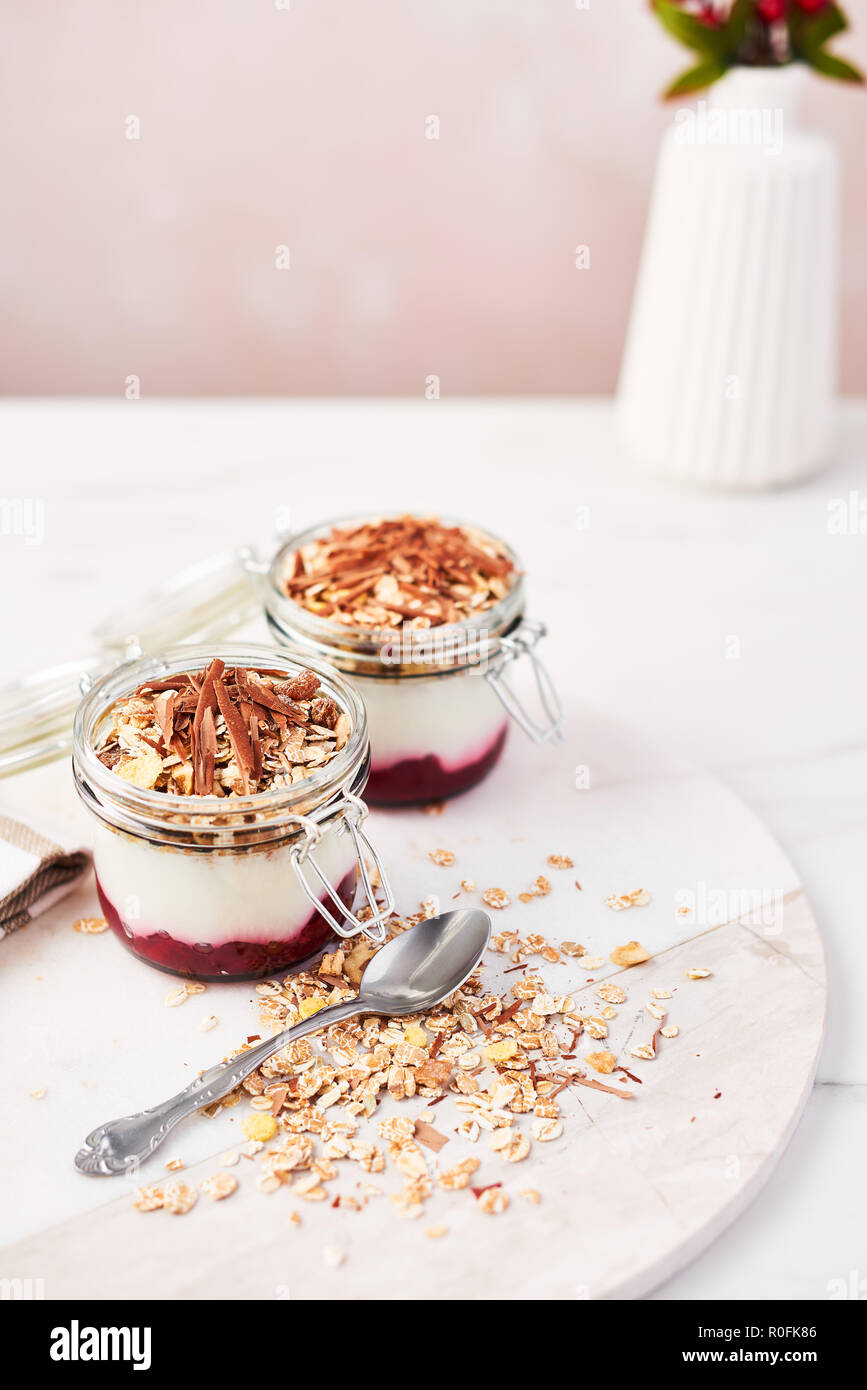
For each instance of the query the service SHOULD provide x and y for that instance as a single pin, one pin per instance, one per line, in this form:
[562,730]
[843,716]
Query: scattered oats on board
[611,993]
[333,1256]
[436,1232]
[176,997]
[208,1022]
[671,1031]
[218,1186]
[148,1199]
[316,1103]
[468,885]
[444,857]
[639,897]
[529,1194]
[173,1164]
[661,993]
[37,1093]
[547,1130]
[492,1201]
[698,973]
[560,861]
[496,898]
[90,926]
[655,1010]
[178,1198]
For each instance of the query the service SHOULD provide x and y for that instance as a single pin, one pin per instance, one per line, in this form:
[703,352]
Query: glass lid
[205,601]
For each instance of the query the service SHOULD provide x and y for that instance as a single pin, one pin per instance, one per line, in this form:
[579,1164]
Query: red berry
[771,11]
[812,6]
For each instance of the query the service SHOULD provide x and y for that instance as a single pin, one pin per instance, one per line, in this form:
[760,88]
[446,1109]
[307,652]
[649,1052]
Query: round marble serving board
[629,1194]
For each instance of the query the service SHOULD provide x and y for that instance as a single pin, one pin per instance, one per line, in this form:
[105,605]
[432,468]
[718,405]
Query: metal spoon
[409,975]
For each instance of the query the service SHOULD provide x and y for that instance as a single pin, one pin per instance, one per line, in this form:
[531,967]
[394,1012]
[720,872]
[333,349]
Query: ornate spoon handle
[119,1146]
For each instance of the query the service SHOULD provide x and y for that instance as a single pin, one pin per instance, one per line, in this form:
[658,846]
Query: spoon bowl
[420,968]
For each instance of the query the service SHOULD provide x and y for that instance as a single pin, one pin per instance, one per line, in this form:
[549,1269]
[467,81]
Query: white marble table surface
[729,627]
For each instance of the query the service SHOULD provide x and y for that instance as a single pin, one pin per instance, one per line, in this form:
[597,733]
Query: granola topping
[402,572]
[223,731]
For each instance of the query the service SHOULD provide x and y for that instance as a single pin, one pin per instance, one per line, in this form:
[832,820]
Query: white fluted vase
[729,370]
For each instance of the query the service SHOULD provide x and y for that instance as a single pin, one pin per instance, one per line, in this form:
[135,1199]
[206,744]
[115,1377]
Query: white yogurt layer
[213,896]
[454,717]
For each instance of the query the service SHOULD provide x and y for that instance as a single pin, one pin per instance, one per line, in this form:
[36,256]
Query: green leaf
[735,28]
[810,32]
[695,79]
[830,66]
[702,38]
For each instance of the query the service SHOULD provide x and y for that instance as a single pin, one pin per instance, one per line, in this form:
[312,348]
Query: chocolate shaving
[600,1086]
[428,1136]
[237,731]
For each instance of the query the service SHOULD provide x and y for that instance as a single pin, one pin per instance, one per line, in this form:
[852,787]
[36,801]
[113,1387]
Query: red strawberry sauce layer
[232,960]
[425,779]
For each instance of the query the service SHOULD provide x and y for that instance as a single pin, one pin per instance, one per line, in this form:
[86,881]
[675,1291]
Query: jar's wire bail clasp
[522,642]
[350,813]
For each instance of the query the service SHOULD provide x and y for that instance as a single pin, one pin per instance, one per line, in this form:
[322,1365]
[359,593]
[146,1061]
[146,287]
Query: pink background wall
[306,127]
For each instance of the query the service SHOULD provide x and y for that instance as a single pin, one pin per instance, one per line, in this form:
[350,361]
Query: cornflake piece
[218,1186]
[308,1007]
[259,1128]
[560,861]
[639,897]
[496,898]
[671,1031]
[178,1198]
[148,1199]
[601,1061]
[571,948]
[443,857]
[492,1201]
[633,953]
[90,926]
[698,973]
[500,1051]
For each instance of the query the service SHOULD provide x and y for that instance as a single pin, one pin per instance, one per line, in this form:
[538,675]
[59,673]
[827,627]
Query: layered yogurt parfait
[225,788]
[423,615]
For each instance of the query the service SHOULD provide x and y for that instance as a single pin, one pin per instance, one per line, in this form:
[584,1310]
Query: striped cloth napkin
[38,866]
